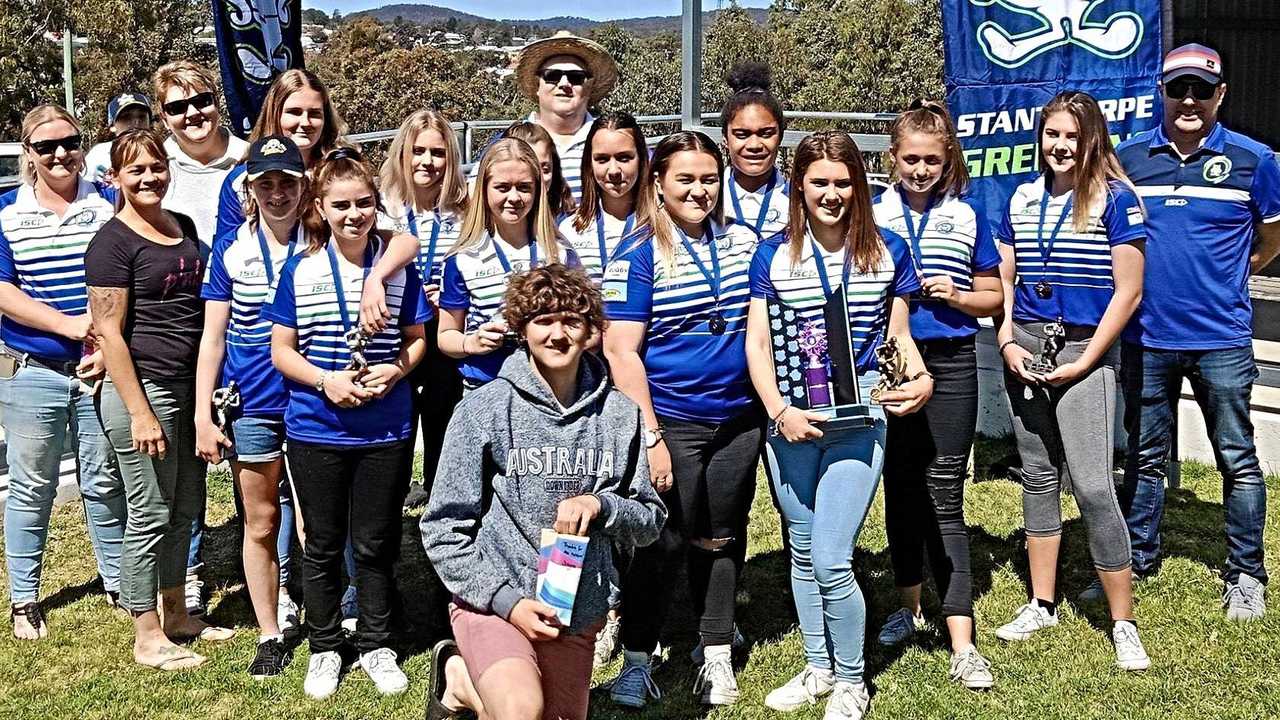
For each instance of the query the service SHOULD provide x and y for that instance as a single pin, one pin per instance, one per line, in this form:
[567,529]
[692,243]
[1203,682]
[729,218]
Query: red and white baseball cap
[1196,60]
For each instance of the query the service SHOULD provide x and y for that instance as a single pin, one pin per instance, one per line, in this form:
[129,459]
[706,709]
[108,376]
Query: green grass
[1204,666]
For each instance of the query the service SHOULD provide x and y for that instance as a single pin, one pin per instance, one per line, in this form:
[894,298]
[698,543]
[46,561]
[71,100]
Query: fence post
[66,69]
[691,65]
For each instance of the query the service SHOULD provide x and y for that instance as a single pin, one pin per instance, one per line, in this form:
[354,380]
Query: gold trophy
[892,364]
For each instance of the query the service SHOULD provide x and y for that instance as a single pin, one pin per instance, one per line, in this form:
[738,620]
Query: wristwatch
[652,437]
[320,381]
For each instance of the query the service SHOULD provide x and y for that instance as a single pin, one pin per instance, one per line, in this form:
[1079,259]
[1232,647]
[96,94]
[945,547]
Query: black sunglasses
[344,153]
[1199,89]
[551,76]
[48,147]
[930,105]
[199,101]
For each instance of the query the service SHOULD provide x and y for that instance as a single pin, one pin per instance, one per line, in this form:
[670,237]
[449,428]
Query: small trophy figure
[1047,361]
[357,341]
[224,399]
[893,368]
[817,381]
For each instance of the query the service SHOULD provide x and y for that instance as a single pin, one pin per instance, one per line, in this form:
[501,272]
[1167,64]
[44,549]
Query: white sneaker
[806,688]
[1030,618]
[607,645]
[1130,655]
[380,665]
[323,672]
[715,684]
[286,612]
[848,702]
[194,592]
[899,627]
[739,642]
[970,669]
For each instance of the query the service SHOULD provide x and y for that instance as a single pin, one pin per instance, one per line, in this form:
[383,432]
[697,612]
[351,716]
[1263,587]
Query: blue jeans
[1222,382]
[42,410]
[824,488]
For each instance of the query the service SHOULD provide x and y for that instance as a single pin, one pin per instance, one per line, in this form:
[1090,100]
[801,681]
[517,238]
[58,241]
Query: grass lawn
[1203,666]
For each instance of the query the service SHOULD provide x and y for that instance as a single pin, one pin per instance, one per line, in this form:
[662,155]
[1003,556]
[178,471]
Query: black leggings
[437,389]
[924,473]
[714,467]
[357,491]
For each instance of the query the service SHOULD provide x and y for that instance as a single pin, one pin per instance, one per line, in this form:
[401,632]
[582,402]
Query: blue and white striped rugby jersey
[306,300]
[475,280]
[238,275]
[43,256]
[957,242]
[694,375]
[1079,264]
[775,277]
[747,210]
[586,244]
[398,220]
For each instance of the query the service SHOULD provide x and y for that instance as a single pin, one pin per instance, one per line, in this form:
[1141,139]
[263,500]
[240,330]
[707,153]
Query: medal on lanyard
[266,253]
[715,320]
[1043,289]
[354,336]
[917,255]
[502,256]
[764,204]
[604,250]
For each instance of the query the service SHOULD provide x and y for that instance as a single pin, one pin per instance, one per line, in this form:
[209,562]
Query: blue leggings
[824,488]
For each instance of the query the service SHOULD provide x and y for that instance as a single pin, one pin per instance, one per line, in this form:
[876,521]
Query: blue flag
[1005,59]
[257,40]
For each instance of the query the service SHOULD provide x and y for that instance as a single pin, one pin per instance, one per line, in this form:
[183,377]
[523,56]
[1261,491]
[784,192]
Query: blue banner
[257,40]
[1005,59]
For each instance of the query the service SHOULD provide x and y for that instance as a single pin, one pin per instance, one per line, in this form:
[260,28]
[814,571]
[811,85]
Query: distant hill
[643,27]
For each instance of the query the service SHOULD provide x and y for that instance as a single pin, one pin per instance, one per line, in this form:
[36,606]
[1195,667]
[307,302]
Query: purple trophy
[813,343]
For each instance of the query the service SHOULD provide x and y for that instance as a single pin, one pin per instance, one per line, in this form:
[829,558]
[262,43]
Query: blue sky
[534,9]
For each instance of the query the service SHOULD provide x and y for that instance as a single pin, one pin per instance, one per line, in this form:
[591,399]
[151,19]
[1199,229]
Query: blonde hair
[1096,162]
[37,116]
[559,195]
[189,76]
[479,224]
[396,175]
[289,82]
[652,219]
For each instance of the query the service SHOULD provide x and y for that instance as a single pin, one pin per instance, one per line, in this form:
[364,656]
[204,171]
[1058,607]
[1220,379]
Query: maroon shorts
[564,664]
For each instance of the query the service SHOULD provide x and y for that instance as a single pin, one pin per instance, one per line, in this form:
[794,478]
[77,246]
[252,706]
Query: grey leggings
[1069,427]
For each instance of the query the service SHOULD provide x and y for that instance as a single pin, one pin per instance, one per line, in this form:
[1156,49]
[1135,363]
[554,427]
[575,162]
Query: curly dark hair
[552,288]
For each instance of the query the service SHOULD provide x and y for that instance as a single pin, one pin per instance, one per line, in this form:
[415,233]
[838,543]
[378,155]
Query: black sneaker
[272,658]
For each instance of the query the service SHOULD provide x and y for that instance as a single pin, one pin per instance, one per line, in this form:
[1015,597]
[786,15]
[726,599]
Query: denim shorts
[256,439]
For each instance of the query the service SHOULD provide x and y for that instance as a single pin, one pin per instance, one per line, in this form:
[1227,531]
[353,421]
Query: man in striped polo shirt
[565,75]
[1212,198]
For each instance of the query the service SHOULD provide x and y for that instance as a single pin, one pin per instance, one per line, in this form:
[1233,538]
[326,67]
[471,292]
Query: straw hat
[598,62]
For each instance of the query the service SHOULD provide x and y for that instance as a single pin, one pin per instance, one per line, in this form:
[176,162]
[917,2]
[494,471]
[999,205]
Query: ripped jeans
[926,462]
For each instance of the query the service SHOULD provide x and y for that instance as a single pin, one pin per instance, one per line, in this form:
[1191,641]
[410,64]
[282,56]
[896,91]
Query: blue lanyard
[337,280]
[502,256]
[822,269]
[266,253]
[713,277]
[429,270]
[764,204]
[626,230]
[917,255]
[1046,249]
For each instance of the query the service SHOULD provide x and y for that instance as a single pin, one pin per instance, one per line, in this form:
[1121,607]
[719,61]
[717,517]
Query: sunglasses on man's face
[1199,89]
[49,147]
[199,101]
[576,77]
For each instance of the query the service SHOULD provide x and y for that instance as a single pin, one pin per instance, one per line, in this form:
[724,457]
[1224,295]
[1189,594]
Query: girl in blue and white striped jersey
[236,345]
[757,192]
[1069,289]
[508,229]
[825,479]
[615,163]
[348,416]
[677,299]
[955,259]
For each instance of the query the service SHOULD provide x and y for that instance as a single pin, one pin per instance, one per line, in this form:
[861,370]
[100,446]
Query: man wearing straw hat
[565,75]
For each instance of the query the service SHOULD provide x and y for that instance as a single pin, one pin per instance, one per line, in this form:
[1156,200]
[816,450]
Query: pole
[1166,25]
[691,65]
[66,70]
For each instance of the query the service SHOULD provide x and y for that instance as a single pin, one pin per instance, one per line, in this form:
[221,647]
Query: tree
[733,37]
[315,16]
[30,66]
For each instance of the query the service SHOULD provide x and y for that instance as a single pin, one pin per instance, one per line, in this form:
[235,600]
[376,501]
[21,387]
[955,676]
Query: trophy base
[1037,366]
[845,417]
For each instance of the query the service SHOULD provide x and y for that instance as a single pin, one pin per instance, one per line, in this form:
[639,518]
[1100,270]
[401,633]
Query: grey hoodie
[511,454]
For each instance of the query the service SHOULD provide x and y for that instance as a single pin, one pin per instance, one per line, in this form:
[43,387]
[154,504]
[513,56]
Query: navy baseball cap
[274,152]
[1193,59]
[124,101]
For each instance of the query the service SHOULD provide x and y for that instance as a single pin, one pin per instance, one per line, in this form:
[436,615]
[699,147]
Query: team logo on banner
[1060,23]
[257,40]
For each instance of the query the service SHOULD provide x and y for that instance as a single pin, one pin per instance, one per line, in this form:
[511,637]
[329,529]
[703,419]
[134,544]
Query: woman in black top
[144,269]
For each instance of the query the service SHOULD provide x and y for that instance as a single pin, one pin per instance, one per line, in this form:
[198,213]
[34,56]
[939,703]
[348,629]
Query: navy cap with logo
[1195,60]
[124,101]
[274,152]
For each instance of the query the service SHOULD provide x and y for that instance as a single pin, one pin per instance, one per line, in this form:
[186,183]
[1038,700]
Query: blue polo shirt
[1202,213]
